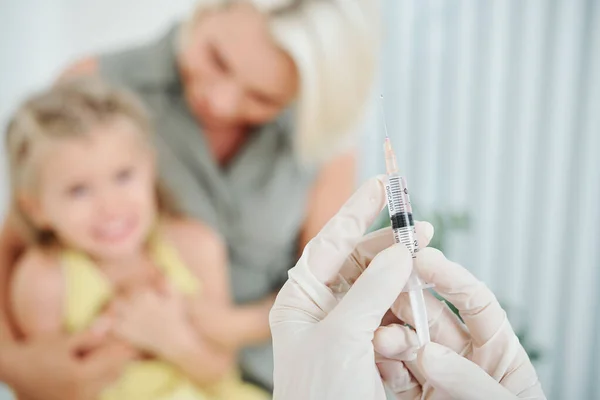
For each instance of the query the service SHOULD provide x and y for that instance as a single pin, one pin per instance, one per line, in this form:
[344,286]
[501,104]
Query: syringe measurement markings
[397,193]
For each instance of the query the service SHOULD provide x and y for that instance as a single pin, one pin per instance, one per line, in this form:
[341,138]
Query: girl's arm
[212,313]
[205,254]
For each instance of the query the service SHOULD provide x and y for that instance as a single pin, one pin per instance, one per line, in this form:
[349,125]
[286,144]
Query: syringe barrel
[400,211]
[403,225]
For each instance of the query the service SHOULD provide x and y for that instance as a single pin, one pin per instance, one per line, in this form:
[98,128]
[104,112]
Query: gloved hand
[323,347]
[480,359]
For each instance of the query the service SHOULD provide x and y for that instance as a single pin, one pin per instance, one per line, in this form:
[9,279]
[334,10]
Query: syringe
[403,226]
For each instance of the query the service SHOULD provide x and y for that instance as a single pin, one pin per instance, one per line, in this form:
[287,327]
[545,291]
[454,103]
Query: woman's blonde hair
[334,44]
[71,109]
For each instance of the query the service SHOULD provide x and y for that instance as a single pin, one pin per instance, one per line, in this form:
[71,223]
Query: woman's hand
[158,322]
[154,321]
[78,367]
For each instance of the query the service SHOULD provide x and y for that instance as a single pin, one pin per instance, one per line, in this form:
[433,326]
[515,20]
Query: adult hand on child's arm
[53,368]
[158,323]
[152,321]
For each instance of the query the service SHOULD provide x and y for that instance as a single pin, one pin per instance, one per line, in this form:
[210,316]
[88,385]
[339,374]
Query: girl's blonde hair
[71,109]
[334,44]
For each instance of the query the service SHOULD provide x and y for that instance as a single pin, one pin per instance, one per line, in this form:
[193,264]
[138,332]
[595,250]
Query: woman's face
[234,74]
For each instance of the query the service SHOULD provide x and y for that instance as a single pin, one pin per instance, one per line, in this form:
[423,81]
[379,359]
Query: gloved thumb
[374,292]
[460,378]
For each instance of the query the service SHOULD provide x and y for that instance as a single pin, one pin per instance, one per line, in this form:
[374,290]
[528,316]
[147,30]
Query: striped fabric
[493,107]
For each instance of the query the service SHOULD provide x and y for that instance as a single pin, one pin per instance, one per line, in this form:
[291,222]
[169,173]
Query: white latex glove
[480,360]
[323,348]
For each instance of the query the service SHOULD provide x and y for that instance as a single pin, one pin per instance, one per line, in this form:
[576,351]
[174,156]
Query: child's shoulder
[38,261]
[199,246]
[36,290]
[188,234]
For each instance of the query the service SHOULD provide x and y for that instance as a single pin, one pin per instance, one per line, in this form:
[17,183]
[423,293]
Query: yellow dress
[88,291]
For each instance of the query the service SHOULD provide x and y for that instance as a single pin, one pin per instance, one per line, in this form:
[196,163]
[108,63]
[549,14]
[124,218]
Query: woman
[253,104]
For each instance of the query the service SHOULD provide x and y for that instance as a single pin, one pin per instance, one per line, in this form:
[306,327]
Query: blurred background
[493,107]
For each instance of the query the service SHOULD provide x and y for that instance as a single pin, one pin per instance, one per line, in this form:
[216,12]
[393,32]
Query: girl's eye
[78,190]
[218,60]
[124,175]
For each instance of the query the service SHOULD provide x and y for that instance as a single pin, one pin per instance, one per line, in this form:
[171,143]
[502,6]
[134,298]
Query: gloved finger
[522,378]
[445,327]
[306,291]
[399,380]
[399,343]
[476,304]
[458,377]
[374,243]
[367,301]
[396,342]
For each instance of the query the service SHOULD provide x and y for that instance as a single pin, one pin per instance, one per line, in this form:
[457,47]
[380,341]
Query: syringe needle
[391,165]
[383,116]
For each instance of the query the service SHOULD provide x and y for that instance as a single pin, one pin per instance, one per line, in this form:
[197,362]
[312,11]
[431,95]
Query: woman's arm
[11,246]
[334,185]
[199,360]
[233,327]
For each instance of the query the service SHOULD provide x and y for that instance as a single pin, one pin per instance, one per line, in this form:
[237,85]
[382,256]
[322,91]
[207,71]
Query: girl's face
[97,193]
[234,74]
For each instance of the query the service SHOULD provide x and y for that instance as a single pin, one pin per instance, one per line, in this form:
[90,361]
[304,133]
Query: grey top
[257,203]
